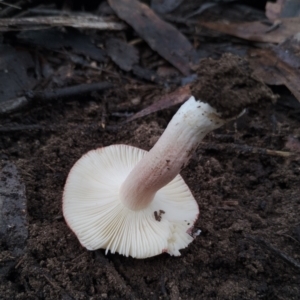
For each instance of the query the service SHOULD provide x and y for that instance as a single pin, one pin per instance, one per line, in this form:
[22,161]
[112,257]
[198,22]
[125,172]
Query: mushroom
[127,200]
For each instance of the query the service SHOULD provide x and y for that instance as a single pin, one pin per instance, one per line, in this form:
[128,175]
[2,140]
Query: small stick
[246,149]
[226,208]
[162,284]
[10,5]
[76,21]
[6,257]
[55,285]
[20,127]
[89,126]
[288,236]
[100,258]
[104,113]
[9,9]
[69,91]
[20,262]
[274,26]
[230,203]
[51,282]
[79,256]
[13,105]
[282,255]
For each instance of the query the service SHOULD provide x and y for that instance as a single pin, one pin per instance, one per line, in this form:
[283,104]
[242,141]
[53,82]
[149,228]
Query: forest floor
[244,176]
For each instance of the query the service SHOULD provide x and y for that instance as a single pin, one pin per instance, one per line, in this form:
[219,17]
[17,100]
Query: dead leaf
[289,51]
[177,97]
[279,65]
[273,10]
[122,54]
[16,73]
[258,31]
[160,36]
[165,6]
[282,9]
[167,72]
[55,39]
[272,70]
[146,74]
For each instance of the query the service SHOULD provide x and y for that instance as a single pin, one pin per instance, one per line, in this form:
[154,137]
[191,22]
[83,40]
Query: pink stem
[170,154]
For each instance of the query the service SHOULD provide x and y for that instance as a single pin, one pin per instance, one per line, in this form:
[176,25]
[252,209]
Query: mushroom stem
[170,154]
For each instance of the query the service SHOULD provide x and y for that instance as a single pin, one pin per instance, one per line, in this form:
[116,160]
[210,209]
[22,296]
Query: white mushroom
[127,200]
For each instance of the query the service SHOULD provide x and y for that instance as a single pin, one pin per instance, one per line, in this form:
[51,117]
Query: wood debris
[75,21]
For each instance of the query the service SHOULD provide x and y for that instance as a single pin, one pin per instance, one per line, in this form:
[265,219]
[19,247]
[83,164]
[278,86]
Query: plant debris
[123,54]
[258,31]
[227,85]
[76,21]
[161,36]
[68,90]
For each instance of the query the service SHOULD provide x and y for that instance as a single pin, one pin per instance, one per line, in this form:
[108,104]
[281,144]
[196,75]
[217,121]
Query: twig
[288,236]
[40,271]
[47,11]
[54,285]
[226,208]
[19,127]
[79,256]
[76,21]
[230,202]
[9,9]
[13,105]
[104,114]
[282,255]
[201,9]
[274,26]
[100,258]
[20,262]
[7,258]
[82,126]
[49,167]
[242,149]
[10,5]
[69,91]
[162,285]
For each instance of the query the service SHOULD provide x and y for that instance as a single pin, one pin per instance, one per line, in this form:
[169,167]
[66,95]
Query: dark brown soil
[242,196]
[227,85]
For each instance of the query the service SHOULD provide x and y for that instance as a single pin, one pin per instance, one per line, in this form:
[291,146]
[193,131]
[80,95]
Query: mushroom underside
[93,210]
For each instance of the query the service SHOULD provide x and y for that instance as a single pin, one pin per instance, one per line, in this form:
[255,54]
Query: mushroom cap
[94,212]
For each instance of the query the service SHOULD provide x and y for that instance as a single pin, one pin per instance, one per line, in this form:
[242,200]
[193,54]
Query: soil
[243,197]
[227,84]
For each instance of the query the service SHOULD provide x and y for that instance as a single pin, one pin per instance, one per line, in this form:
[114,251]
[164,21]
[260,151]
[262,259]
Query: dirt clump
[227,85]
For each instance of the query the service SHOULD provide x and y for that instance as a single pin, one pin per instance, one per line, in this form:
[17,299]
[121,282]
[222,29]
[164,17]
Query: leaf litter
[245,176]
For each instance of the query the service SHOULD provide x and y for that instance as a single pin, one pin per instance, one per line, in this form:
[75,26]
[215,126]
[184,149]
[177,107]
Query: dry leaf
[282,9]
[272,70]
[177,97]
[160,36]
[258,31]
